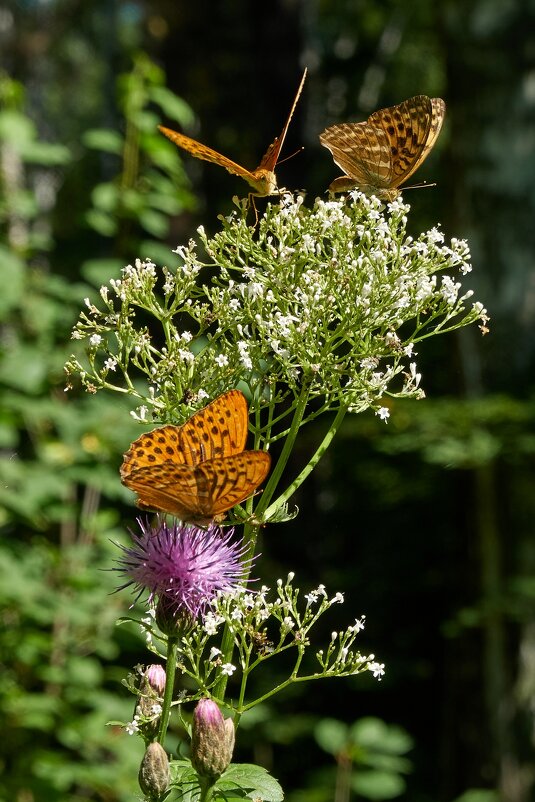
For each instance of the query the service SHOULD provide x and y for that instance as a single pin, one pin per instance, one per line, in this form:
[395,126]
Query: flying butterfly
[199,470]
[262,179]
[379,155]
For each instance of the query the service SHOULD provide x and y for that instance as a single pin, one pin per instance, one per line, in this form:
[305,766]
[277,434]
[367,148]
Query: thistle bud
[212,740]
[155,677]
[148,708]
[154,772]
[172,619]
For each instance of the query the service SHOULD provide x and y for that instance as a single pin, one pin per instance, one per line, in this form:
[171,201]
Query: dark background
[426,523]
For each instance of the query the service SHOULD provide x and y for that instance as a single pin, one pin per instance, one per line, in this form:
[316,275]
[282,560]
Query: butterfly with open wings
[199,470]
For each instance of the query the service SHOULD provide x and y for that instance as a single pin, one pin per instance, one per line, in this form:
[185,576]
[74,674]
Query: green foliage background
[425,523]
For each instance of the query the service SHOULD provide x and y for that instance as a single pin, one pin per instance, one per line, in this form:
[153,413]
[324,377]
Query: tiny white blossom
[214,652]
[377,669]
[141,414]
[133,726]
[186,355]
[221,360]
[287,624]
[211,622]
[383,413]
[95,340]
[228,669]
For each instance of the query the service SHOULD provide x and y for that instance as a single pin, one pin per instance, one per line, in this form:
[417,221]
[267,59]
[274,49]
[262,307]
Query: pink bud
[212,740]
[155,675]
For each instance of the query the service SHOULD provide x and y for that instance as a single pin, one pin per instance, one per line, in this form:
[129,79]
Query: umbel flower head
[184,567]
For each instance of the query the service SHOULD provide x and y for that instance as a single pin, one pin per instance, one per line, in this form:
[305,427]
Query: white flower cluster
[335,298]
[264,624]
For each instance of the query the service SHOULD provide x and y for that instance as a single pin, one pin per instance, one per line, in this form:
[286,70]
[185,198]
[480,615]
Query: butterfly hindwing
[226,482]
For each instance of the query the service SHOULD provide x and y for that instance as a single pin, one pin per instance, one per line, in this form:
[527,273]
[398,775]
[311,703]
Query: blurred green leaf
[172,106]
[331,735]
[377,785]
[104,139]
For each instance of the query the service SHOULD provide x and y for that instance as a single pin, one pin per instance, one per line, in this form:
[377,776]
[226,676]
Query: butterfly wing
[208,154]
[438,112]
[411,128]
[383,152]
[271,156]
[223,483]
[362,151]
[199,494]
[218,430]
[167,487]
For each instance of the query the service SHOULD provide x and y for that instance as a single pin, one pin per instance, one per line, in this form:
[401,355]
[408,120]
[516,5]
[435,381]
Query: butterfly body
[262,179]
[380,154]
[199,470]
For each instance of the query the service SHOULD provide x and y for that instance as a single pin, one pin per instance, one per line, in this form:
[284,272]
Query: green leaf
[246,779]
[377,785]
[99,271]
[105,196]
[331,735]
[172,106]
[104,139]
[101,222]
[478,795]
[375,734]
[157,252]
[155,223]
[45,153]
[185,779]
[15,127]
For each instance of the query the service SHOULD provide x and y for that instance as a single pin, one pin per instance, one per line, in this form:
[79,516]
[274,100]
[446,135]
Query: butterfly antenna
[299,150]
[423,185]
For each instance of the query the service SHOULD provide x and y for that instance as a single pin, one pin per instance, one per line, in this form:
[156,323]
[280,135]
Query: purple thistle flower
[182,565]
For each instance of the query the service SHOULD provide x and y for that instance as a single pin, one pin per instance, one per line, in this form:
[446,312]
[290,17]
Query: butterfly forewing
[271,156]
[380,154]
[207,154]
[218,430]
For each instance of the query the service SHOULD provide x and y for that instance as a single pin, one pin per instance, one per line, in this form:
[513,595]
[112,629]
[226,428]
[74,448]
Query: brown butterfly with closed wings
[379,155]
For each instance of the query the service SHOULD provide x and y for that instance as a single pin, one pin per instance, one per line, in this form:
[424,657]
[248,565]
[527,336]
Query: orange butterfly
[262,179]
[380,154]
[199,470]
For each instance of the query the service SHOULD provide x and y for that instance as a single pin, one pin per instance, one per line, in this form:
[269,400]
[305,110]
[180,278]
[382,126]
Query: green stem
[206,789]
[322,448]
[250,531]
[286,451]
[170,670]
